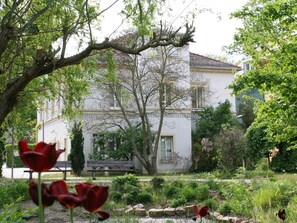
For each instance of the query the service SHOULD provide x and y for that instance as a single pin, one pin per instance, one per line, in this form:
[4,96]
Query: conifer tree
[77,146]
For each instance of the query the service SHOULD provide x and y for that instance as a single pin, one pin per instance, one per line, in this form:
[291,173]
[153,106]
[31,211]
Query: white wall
[217,84]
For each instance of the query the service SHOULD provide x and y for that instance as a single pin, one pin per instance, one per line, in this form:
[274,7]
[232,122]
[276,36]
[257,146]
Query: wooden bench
[110,166]
[60,166]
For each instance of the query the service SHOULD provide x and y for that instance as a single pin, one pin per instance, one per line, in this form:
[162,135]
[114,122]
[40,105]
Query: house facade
[190,82]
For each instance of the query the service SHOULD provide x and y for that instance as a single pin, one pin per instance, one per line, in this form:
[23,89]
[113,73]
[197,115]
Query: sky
[213,33]
[214,30]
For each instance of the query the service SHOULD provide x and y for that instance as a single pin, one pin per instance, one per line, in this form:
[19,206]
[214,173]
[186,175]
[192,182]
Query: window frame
[171,157]
[200,97]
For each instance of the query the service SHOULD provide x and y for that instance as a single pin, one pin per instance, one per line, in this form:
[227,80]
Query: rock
[189,210]
[140,212]
[180,211]
[129,211]
[138,206]
[156,213]
[169,211]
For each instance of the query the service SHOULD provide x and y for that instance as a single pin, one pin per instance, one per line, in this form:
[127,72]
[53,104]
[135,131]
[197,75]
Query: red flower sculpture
[93,197]
[42,158]
[60,192]
[47,198]
[200,213]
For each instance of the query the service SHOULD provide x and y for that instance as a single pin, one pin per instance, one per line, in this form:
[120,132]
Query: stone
[129,211]
[189,210]
[141,212]
[156,213]
[138,206]
[180,211]
[169,211]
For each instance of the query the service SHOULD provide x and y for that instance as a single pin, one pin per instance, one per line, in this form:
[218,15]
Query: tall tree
[142,87]
[269,37]
[36,44]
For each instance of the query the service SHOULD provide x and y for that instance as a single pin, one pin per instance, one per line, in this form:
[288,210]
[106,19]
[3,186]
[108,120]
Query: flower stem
[90,217]
[41,213]
[71,215]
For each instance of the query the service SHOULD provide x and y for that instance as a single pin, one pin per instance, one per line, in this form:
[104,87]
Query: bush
[144,198]
[171,190]
[202,192]
[212,203]
[11,190]
[176,202]
[157,183]
[76,155]
[126,189]
[225,208]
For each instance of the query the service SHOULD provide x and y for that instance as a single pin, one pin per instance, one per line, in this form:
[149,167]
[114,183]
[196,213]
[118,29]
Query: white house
[203,78]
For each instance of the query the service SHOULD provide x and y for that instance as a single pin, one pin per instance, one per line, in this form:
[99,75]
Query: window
[198,97]
[115,96]
[166,148]
[166,93]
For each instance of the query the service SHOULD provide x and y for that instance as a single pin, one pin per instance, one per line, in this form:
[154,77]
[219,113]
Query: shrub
[10,191]
[212,203]
[173,189]
[119,183]
[176,202]
[76,155]
[157,183]
[145,198]
[202,192]
[126,189]
[225,208]
[189,193]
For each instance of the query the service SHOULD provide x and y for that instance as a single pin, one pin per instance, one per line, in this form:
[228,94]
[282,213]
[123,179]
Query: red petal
[203,211]
[59,188]
[35,161]
[82,189]
[196,209]
[96,197]
[43,158]
[69,201]
[47,198]
[103,215]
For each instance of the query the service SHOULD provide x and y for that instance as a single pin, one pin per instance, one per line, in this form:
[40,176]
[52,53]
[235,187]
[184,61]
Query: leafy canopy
[269,37]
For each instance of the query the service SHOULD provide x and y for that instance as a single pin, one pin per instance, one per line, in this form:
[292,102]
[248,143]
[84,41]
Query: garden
[257,199]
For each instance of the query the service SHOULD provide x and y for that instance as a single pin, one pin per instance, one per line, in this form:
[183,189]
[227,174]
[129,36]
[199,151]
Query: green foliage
[127,189]
[246,106]
[225,208]
[178,201]
[77,150]
[291,210]
[117,144]
[268,35]
[13,212]
[284,162]
[231,148]
[157,183]
[17,160]
[239,198]
[210,123]
[257,143]
[11,190]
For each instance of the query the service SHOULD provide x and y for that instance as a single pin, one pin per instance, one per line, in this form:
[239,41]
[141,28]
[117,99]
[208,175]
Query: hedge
[17,159]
